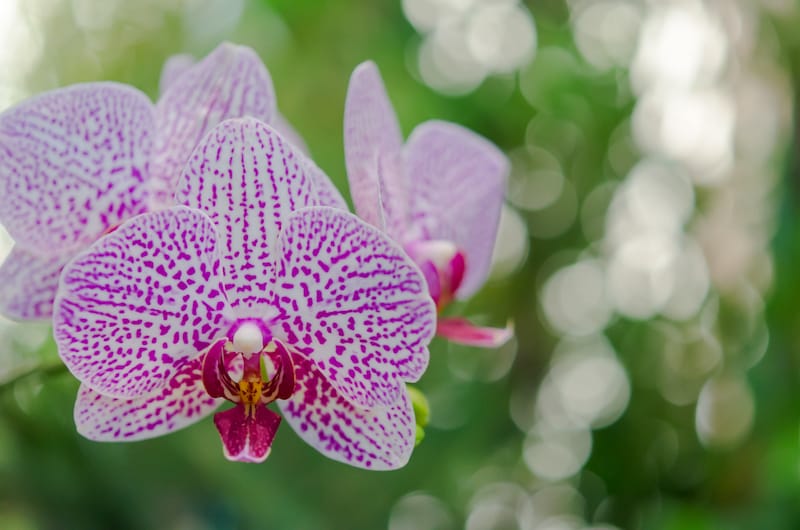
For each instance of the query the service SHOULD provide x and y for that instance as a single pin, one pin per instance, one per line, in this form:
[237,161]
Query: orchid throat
[443,264]
[247,430]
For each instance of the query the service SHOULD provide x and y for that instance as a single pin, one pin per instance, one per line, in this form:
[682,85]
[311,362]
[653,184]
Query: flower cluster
[191,253]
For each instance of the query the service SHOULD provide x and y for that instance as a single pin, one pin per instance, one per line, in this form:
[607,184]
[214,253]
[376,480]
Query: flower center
[247,339]
[267,370]
[442,264]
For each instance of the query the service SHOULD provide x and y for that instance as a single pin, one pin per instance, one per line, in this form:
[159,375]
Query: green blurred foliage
[636,477]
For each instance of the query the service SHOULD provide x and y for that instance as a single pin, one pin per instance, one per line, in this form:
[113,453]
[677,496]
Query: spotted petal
[458,180]
[173,68]
[247,179]
[179,404]
[326,193]
[28,284]
[371,134]
[141,302]
[354,304]
[230,82]
[73,162]
[379,439]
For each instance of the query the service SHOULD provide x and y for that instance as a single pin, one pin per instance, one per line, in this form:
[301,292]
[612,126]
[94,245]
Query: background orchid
[178,309]
[439,196]
[78,161]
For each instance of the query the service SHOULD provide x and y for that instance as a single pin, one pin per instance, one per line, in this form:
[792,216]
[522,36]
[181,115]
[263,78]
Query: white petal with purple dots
[379,439]
[142,301]
[353,303]
[73,163]
[248,179]
[324,190]
[182,402]
[230,82]
[28,284]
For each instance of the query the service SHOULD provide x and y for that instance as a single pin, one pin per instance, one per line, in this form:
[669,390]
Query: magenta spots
[354,323]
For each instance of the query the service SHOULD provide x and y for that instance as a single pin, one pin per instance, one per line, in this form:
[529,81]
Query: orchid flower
[249,291]
[439,196]
[77,161]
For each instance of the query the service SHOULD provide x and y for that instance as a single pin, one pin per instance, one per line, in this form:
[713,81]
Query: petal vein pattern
[179,404]
[28,283]
[139,303]
[381,438]
[372,137]
[459,181]
[230,82]
[248,180]
[353,303]
[73,162]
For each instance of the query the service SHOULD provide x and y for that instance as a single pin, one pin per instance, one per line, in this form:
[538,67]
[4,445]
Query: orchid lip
[248,428]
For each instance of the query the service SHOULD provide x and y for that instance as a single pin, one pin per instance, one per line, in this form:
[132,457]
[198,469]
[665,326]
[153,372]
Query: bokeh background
[647,256]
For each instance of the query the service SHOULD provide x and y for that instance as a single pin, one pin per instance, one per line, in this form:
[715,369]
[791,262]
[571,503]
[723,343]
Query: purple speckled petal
[28,284]
[247,179]
[173,68]
[371,133]
[141,302]
[395,196]
[463,331]
[459,181]
[285,129]
[325,191]
[282,379]
[230,82]
[244,438]
[353,303]
[182,402]
[379,439]
[73,162]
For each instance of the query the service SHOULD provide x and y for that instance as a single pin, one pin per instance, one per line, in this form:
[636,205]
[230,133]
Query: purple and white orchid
[77,161]
[250,291]
[439,196]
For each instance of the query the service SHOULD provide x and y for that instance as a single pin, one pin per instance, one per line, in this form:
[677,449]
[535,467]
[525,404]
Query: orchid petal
[458,180]
[379,439]
[182,402]
[247,179]
[28,284]
[216,378]
[285,129]
[73,162]
[173,68]
[230,82]
[282,381]
[371,134]
[395,195]
[354,304]
[325,191]
[139,303]
[463,331]
[244,438]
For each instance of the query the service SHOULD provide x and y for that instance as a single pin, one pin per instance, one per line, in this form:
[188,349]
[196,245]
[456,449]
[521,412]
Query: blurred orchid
[249,291]
[76,162]
[439,196]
